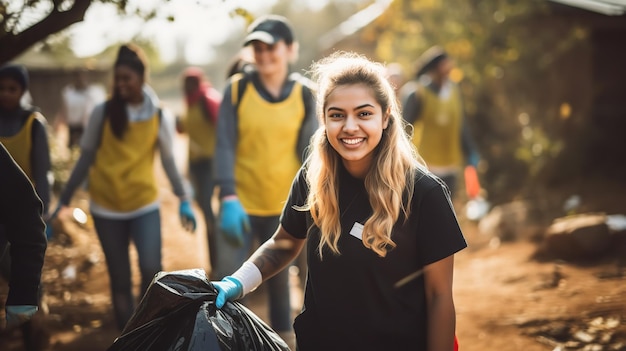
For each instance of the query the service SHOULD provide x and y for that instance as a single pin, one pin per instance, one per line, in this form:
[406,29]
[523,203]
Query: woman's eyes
[359,114]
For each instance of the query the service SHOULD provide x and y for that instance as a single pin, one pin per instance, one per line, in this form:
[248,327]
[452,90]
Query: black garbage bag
[178,313]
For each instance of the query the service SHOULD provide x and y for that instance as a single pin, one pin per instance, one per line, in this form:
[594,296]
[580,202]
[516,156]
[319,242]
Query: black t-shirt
[22,226]
[350,300]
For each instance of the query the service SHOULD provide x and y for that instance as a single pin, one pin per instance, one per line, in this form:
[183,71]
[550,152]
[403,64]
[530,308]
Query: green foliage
[508,52]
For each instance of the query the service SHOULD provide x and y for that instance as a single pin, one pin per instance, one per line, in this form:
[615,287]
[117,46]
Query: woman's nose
[351,124]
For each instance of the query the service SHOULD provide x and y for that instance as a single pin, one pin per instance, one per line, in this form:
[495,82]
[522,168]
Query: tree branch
[14,44]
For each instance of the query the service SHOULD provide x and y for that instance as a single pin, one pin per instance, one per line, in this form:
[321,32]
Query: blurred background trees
[27,22]
[530,71]
[541,82]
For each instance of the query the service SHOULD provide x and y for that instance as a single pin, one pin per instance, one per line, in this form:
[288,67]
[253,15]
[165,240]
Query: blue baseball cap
[269,29]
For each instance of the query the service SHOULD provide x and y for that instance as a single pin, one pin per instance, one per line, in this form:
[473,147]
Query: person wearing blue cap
[265,122]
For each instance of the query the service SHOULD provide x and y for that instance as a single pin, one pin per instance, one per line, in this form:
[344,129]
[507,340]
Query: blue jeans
[115,236]
[229,259]
[201,176]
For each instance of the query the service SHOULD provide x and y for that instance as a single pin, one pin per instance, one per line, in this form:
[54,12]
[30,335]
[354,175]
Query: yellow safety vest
[122,176]
[265,158]
[437,133]
[201,133]
[20,145]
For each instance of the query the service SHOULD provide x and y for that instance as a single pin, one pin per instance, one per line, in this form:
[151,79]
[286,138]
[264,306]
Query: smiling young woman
[354,126]
[379,229]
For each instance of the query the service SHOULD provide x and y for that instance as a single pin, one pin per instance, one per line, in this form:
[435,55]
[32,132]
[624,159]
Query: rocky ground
[507,297]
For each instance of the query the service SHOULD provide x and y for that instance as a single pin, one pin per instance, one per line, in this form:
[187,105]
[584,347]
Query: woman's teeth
[353,141]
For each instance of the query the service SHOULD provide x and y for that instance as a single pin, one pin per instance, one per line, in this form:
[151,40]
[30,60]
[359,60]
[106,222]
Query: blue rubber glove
[234,221]
[187,218]
[473,159]
[19,314]
[51,217]
[49,230]
[228,289]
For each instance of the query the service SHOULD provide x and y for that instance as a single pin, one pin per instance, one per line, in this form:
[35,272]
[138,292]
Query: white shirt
[80,103]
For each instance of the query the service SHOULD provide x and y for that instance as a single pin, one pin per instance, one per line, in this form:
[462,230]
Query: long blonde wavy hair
[389,181]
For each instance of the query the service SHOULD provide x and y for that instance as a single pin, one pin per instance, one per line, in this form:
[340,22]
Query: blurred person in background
[77,101]
[23,130]
[117,154]
[395,75]
[202,103]
[432,104]
[265,123]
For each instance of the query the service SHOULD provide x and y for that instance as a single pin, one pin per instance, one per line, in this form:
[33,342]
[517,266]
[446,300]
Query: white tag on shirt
[357,230]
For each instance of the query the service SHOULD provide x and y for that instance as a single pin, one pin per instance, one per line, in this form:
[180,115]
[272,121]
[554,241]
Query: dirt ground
[505,298]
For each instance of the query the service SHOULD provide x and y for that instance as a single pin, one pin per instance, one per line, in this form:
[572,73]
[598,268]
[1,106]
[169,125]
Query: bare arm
[276,253]
[440,304]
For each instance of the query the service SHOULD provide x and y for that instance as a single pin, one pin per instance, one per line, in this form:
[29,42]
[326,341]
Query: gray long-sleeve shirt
[91,141]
